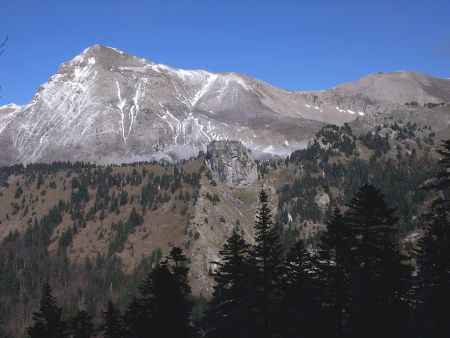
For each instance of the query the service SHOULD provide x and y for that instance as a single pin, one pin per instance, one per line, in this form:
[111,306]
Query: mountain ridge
[106,106]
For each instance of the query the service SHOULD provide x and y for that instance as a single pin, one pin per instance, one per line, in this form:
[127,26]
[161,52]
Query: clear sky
[290,44]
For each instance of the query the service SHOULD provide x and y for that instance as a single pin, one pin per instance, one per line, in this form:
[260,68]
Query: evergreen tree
[300,305]
[163,308]
[336,259]
[81,325]
[181,311]
[112,328]
[47,321]
[267,263]
[380,277]
[433,280]
[136,317]
[229,305]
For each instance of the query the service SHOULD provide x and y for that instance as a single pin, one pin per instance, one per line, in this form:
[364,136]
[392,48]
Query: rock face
[231,163]
[322,200]
[106,106]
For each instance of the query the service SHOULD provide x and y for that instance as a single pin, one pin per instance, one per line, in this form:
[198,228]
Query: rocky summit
[106,106]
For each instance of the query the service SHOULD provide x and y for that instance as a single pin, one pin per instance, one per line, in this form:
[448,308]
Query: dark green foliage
[123,230]
[399,181]
[404,131]
[433,280]
[162,308]
[267,271]
[230,302]
[338,138]
[47,321]
[135,219]
[66,237]
[123,197]
[380,277]
[299,198]
[113,326]
[300,306]
[214,198]
[19,192]
[336,259]
[81,325]
[376,142]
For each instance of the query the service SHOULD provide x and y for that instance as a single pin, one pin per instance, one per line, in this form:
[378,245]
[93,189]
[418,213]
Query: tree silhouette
[229,305]
[433,280]
[380,278]
[47,321]
[180,292]
[300,304]
[267,263]
[336,259]
[81,325]
[163,308]
[136,318]
[112,327]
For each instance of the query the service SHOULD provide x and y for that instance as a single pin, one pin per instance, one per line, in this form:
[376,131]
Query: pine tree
[433,280]
[136,317]
[181,311]
[229,305]
[336,259]
[163,308]
[47,321]
[380,277]
[267,262]
[112,328]
[300,304]
[81,325]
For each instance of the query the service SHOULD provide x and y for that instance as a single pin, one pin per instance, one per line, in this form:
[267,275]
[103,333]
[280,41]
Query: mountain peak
[106,56]
[99,48]
[107,106]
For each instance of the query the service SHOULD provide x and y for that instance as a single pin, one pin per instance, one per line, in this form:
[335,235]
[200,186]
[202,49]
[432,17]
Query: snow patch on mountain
[105,105]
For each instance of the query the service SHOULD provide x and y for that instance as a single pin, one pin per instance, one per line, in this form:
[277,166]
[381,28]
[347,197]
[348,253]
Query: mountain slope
[106,106]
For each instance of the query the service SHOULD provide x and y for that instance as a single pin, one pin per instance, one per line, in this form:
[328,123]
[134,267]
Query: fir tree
[229,305]
[47,321]
[300,305]
[112,327]
[81,325]
[136,317]
[163,308]
[336,259]
[380,277]
[267,262]
[433,280]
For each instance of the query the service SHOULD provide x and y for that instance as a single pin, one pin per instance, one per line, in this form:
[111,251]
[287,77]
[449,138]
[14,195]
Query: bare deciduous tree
[2,45]
[2,49]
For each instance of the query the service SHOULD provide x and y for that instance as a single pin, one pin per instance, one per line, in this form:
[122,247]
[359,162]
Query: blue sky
[290,44]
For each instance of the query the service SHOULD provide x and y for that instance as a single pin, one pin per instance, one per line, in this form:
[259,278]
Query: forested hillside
[94,233]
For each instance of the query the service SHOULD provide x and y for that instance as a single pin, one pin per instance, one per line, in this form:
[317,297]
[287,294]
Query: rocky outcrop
[231,163]
[322,200]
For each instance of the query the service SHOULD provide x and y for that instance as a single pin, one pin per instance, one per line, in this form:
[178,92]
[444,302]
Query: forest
[358,282]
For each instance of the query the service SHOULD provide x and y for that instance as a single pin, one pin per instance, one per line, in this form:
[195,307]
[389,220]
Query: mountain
[106,106]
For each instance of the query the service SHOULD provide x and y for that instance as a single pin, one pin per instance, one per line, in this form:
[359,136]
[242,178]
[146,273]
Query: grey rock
[322,200]
[231,163]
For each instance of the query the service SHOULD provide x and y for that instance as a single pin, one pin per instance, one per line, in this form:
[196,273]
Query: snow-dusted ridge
[105,104]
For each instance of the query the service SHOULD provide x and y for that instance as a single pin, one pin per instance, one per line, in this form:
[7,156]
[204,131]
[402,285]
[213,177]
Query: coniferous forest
[356,282]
